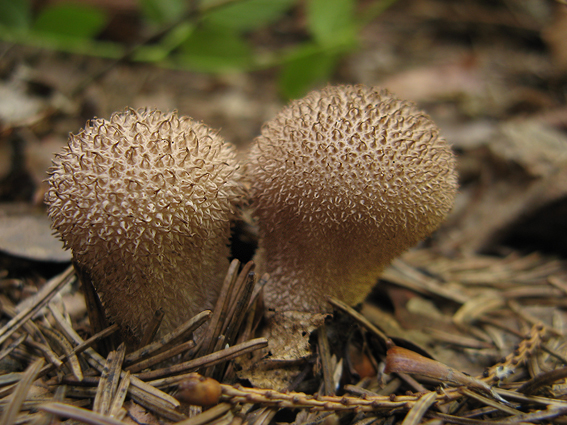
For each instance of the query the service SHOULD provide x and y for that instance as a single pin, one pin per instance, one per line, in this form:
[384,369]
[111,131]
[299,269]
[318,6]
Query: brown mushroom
[144,201]
[343,181]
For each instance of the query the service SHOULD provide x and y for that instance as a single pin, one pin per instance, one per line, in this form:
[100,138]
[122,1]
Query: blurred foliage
[216,37]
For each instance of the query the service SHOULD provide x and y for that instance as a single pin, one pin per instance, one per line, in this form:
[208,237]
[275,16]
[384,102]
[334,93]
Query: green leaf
[213,49]
[372,10]
[159,52]
[72,20]
[312,65]
[332,22]
[246,15]
[15,14]
[163,11]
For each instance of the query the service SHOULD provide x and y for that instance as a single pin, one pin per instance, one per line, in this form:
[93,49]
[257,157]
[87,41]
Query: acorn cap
[144,201]
[343,181]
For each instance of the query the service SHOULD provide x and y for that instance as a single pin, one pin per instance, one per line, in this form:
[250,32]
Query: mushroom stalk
[144,200]
[343,181]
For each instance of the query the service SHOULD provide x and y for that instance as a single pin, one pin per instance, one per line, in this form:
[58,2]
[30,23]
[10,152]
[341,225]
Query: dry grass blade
[67,349]
[220,343]
[109,380]
[362,320]
[47,352]
[45,418]
[208,415]
[31,402]
[6,352]
[419,408]
[409,277]
[143,393]
[178,333]
[489,402]
[542,380]
[450,419]
[157,405]
[244,287]
[21,392]
[258,288]
[475,308]
[82,347]
[10,378]
[121,391]
[558,283]
[534,321]
[8,390]
[264,416]
[207,344]
[205,361]
[540,415]
[530,399]
[96,337]
[38,301]
[149,396]
[152,328]
[79,414]
[158,358]
[457,340]
[325,356]
[95,309]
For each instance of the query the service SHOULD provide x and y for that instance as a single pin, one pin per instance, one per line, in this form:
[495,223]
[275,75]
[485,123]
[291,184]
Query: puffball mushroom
[144,201]
[343,181]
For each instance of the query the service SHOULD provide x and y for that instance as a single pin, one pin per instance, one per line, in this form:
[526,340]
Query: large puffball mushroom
[343,181]
[144,201]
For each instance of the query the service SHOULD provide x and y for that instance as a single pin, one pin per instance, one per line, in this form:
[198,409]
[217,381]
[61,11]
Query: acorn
[199,390]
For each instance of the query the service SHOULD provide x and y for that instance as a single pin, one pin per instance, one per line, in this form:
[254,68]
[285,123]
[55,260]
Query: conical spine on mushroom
[342,181]
[144,200]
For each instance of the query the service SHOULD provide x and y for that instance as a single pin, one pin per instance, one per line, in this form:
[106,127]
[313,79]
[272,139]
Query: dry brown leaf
[518,193]
[26,232]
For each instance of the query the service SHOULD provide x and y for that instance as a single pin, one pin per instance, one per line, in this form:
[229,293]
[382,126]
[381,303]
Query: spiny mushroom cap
[342,181]
[144,201]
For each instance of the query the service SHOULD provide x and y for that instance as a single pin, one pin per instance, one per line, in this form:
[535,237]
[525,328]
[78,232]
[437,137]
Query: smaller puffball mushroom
[144,201]
[343,181]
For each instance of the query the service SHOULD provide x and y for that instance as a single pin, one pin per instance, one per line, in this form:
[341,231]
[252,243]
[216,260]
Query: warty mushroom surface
[144,200]
[343,181]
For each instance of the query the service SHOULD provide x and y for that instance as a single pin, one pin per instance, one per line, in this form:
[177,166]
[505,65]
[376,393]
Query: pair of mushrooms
[341,182]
